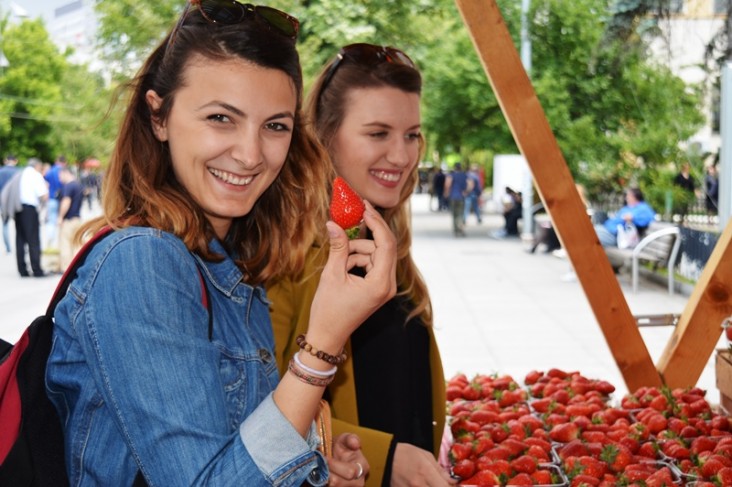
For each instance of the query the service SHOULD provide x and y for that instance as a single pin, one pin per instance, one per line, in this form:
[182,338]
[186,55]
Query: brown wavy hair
[140,187]
[326,109]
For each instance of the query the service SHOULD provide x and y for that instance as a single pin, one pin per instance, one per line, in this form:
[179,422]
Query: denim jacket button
[265,355]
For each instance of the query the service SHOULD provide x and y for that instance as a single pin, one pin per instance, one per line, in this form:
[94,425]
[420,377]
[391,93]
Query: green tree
[617,102]
[31,99]
[612,109]
[87,127]
[461,113]
[129,30]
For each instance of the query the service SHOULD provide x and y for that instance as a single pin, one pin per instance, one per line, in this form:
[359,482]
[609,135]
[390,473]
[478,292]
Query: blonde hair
[327,110]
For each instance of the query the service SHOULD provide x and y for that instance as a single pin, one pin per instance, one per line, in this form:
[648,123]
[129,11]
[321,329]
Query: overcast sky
[35,8]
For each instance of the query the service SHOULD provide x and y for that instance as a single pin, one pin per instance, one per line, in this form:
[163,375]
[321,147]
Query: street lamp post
[725,156]
[528,191]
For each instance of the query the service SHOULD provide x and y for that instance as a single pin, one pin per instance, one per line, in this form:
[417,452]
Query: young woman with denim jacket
[210,174]
[365,108]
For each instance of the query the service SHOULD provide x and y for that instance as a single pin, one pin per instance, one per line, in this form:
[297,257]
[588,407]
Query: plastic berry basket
[556,472]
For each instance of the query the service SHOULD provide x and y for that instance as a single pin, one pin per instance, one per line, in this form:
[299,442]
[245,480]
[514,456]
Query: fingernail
[332,229]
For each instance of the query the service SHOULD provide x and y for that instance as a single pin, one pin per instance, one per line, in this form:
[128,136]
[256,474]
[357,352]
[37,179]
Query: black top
[391,366]
[684,182]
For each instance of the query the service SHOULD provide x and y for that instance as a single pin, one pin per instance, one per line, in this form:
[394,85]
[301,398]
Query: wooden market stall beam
[699,326]
[555,185]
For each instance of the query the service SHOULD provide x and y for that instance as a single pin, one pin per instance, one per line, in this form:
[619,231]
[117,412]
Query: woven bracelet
[307,378]
[331,359]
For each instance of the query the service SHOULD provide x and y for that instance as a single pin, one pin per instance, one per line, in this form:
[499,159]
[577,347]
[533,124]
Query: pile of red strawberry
[560,429]
[497,439]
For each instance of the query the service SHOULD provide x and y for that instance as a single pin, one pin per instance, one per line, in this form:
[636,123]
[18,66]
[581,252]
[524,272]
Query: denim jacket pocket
[247,378]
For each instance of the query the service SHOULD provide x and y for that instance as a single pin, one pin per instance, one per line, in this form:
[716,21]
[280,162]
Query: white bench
[660,247]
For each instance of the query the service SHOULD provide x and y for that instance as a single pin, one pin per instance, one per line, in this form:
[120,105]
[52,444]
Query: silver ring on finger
[360,471]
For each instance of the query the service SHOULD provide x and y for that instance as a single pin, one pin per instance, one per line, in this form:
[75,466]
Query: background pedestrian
[7,171]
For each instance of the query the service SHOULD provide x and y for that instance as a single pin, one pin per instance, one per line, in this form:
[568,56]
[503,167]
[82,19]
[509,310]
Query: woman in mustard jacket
[391,391]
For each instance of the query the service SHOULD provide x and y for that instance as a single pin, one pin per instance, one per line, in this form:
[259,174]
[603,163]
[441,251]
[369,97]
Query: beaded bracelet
[312,371]
[331,359]
[307,378]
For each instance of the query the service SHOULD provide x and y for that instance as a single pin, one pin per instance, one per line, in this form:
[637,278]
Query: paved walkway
[498,309]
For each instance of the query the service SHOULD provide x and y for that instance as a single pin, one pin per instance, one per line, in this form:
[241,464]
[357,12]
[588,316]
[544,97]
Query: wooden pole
[699,326]
[556,187]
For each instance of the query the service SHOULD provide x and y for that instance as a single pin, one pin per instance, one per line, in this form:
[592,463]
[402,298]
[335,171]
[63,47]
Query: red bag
[32,442]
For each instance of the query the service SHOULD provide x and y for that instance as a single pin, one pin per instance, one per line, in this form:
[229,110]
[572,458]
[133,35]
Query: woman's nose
[399,154]
[247,148]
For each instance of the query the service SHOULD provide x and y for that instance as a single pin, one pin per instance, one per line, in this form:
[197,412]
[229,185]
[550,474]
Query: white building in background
[74,25]
[70,24]
[686,33]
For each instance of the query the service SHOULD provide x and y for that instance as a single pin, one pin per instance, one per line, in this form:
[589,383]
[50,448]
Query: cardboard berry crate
[572,425]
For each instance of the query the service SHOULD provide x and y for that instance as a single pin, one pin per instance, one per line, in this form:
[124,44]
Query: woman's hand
[343,301]
[348,467]
[415,466]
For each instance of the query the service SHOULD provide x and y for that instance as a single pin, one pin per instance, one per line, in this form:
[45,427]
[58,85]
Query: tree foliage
[618,115]
[614,111]
[48,106]
[89,124]
[31,97]
[128,30]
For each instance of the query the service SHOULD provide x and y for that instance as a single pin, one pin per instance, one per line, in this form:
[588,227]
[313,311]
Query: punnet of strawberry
[562,429]
[346,207]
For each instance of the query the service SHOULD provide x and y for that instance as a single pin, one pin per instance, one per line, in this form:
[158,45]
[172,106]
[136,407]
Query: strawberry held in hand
[346,207]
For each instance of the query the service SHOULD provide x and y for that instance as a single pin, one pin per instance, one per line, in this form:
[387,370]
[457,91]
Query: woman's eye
[218,118]
[379,135]
[414,136]
[278,127]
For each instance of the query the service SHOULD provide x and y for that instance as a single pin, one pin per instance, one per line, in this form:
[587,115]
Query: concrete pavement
[498,309]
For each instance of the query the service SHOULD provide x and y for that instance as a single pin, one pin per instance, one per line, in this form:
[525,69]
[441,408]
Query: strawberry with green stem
[346,207]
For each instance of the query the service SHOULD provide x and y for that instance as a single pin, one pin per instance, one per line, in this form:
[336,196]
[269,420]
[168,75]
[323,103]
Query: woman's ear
[154,102]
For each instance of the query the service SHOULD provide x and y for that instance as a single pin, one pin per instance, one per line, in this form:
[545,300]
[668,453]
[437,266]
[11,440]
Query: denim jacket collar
[223,275]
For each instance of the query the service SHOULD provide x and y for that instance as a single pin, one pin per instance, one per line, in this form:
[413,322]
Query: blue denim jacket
[139,386]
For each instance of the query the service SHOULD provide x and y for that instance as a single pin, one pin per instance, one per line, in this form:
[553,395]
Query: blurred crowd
[46,202]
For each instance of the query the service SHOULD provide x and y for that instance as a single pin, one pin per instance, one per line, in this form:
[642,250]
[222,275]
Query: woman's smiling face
[229,132]
[377,144]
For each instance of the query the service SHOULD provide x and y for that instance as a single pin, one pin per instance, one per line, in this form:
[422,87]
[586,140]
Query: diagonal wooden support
[556,187]
[699,326]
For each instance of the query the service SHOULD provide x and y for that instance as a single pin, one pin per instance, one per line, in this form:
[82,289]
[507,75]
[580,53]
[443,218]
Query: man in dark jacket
[7,171]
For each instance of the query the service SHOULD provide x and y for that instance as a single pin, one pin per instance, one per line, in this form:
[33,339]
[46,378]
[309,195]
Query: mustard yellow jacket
[290,312]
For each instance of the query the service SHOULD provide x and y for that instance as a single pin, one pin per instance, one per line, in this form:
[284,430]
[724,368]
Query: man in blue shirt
[472,200]
[53,179]
[635,211]
[69,216]
[457,187]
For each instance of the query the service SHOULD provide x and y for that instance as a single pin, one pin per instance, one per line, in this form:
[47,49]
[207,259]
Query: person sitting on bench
[635,211]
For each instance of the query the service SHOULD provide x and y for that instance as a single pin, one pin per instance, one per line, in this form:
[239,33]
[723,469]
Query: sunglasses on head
[230,12]
[366,55]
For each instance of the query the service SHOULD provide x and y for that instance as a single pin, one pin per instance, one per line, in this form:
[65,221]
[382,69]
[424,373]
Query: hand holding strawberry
[344,300]
[346,207]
